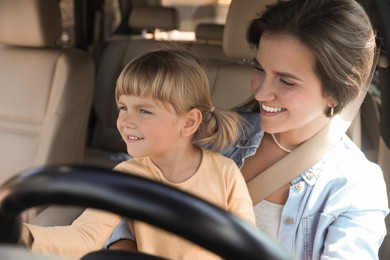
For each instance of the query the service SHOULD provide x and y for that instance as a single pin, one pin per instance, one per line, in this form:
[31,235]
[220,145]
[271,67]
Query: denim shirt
[335,209]
[248,141]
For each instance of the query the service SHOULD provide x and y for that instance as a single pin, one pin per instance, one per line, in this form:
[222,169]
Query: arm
[239,201]
[355,235]
[359,231]
[87,233]
[124,245]
[122,238]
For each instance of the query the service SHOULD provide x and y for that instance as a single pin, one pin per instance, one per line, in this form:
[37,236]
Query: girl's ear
[192,120]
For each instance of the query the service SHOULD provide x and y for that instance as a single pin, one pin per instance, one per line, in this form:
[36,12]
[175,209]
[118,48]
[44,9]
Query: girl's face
[289,92]
[147,126]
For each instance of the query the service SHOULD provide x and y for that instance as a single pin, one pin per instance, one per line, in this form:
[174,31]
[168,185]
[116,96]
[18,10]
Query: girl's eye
[122,108]
[143,111]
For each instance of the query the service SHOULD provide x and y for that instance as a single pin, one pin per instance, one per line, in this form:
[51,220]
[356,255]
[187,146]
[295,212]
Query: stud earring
[331,111]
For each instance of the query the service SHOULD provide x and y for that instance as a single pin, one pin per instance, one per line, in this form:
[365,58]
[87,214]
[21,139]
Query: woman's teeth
[272,109]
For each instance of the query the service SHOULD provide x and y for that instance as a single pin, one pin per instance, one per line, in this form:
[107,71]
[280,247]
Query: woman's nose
[263,89]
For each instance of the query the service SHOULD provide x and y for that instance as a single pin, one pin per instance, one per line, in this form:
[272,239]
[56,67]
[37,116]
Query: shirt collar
[310,176]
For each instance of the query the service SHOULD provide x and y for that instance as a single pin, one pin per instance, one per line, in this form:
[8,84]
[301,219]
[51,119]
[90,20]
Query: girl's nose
[127,121]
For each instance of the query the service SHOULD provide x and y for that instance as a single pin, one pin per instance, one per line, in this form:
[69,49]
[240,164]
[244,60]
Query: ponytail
[220,128]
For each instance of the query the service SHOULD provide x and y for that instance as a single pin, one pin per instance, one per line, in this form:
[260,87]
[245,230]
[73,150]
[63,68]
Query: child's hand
[25,237]
[24,217]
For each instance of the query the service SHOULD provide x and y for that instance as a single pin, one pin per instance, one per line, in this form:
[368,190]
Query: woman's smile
[271,109]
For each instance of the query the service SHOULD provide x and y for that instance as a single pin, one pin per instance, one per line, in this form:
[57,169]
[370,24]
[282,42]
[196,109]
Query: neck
[293,138]
[180,166]
[283,148]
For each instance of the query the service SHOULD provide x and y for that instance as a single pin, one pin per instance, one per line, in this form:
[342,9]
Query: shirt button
[289,220]
[310,176]
[299,186]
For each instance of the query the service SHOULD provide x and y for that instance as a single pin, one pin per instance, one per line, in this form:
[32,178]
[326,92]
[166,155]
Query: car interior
[57,101]
[46,90]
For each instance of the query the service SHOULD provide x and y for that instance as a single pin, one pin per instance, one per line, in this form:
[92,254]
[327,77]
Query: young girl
[165,116]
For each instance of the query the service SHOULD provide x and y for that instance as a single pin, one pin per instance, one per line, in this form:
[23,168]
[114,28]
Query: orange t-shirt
[217,180]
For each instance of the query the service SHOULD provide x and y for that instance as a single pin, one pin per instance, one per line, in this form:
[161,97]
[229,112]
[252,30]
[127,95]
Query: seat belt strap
[293,164]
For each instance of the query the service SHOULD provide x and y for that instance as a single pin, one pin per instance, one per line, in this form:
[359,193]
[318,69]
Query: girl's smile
[131,138]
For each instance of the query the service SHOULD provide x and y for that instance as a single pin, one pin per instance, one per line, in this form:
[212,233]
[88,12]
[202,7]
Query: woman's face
[289,92]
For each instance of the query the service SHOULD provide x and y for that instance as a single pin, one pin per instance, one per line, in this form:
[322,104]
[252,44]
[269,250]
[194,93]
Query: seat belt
[295,163]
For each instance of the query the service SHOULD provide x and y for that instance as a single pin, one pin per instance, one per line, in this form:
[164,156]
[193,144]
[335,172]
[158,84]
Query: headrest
[237,21]
[209,31]
[145,18]
[32,23]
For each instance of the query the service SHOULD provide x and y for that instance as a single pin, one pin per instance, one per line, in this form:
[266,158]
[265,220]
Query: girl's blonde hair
[177,77]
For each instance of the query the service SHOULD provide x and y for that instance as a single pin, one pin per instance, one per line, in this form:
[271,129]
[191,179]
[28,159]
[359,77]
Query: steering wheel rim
[135,197]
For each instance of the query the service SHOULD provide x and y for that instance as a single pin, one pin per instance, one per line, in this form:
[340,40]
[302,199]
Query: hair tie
[212,109]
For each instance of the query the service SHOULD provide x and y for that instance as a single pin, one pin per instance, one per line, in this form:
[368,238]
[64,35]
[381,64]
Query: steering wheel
[134,197]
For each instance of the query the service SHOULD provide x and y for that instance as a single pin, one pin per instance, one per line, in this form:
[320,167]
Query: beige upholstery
[239,15]
[22,23]
[208,44]
[45,91]
[145,18]
[229,77]
[209,32]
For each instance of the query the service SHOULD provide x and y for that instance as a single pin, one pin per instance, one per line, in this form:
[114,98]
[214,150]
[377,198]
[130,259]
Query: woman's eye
[287,83]
[258,68]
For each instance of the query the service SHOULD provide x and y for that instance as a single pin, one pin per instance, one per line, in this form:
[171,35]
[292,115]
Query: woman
[313,58]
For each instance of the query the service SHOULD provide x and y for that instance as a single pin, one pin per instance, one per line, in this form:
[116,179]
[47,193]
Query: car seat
[45,90]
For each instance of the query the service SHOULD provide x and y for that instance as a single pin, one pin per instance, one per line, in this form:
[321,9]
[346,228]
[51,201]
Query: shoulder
[348,164]
[135,166]
[346,169]
[216,159]
[216,162]
[351,157]
[351,182]
[224,169]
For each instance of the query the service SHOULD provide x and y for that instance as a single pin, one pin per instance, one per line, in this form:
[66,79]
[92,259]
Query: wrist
[25,236]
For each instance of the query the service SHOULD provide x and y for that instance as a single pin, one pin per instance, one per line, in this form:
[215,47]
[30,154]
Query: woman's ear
[192,120]
[331,102]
